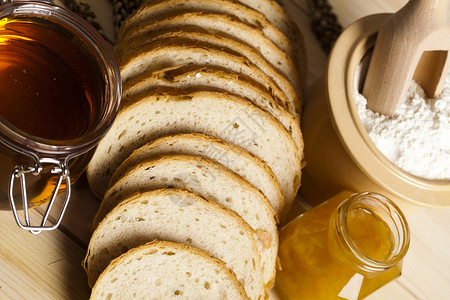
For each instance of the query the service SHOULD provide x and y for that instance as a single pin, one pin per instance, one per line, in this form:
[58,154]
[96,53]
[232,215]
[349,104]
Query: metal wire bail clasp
[19,173]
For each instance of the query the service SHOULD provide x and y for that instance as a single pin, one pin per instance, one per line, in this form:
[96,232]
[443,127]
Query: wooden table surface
[48,266]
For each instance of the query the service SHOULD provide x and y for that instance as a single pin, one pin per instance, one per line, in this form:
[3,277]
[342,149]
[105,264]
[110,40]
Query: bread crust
[236,121]
[211,181]
[201,257]
[219,79]
[226,154]
[108,242]
[228,25]
[285,78]
[278,16]
[172,52]
[152,9]
[193,74]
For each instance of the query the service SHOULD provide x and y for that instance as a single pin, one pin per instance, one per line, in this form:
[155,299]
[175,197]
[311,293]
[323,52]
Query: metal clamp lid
[60,166]
[19,173]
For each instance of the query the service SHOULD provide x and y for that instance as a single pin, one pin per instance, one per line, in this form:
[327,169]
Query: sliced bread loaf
[235,120]
[163,270]
[224,24]
[204,79]
[212,181]
[238,160]
[177,216]
[285,81]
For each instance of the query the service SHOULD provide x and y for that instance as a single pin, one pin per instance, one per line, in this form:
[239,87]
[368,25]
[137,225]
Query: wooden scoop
[411,44]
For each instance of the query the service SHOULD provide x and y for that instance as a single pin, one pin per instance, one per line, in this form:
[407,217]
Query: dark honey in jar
[59,93]
[50,88]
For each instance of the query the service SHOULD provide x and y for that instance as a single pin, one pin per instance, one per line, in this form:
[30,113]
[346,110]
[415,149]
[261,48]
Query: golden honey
[345,248]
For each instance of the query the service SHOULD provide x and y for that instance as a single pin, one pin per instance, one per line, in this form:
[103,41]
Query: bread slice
[278,16]
[177,216]
[204,78]
[172,52]
[211,181]
[286,81]
[238,160]
[224,24]
[208,76]
[274,13]
[233,119]
[153,9]
[162,270]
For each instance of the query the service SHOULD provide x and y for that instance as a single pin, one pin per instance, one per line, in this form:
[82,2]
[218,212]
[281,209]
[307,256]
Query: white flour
[417,137]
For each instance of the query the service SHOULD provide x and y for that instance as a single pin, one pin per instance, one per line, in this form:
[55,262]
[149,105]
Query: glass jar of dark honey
[60,90]
[345,248]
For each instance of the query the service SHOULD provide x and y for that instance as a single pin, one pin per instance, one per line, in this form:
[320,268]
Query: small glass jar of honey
[60,91]
[345,248]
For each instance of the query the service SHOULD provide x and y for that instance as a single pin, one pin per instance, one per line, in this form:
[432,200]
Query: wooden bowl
[339,153]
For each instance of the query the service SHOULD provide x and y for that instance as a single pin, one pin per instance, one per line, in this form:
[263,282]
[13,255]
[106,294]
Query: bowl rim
[349,50]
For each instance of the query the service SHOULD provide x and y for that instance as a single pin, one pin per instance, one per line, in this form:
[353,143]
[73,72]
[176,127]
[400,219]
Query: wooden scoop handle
[412,43]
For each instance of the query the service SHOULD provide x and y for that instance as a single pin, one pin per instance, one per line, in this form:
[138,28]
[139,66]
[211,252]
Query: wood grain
[47,266]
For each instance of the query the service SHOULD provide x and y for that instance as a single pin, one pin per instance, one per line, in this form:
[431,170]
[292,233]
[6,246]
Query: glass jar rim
[35,146]
[389,212]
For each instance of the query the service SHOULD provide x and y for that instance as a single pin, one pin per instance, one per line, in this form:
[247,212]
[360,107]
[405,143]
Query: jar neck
[360,225]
